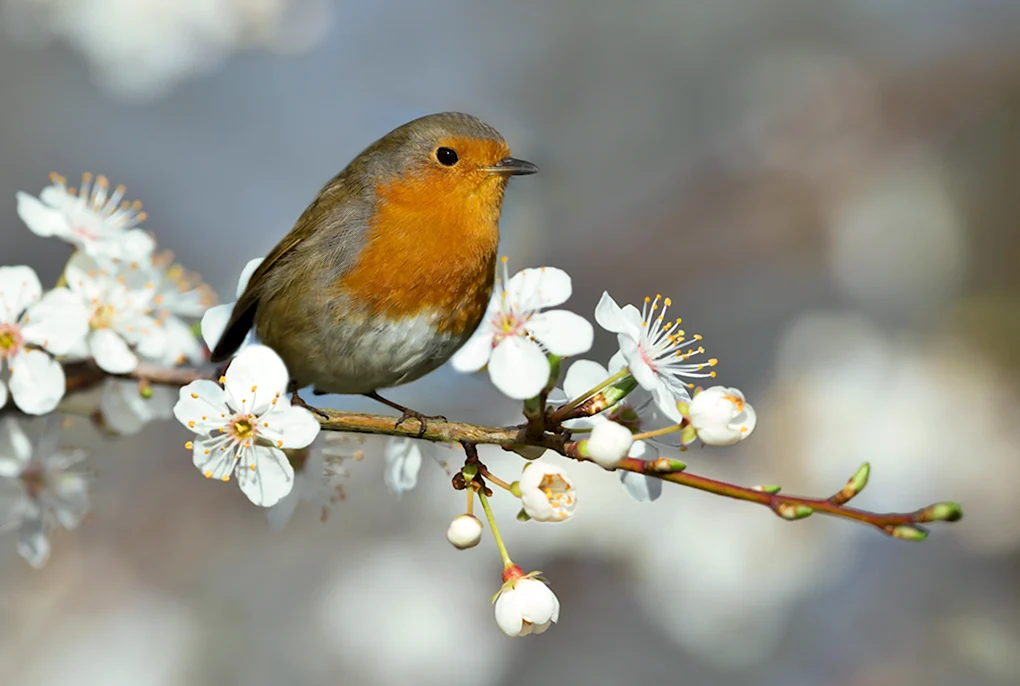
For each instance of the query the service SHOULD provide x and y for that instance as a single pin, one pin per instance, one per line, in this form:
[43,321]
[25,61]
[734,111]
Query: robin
[390,269]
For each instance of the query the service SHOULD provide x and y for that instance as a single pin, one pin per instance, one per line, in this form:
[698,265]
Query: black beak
[513,167]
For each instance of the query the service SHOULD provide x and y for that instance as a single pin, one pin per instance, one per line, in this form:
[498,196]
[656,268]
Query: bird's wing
[243,316]
[329,213]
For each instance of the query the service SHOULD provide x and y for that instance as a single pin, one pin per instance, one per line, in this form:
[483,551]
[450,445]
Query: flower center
[557,492]
[102,317]
[509,325]
[10,340]
[738,403]
[243,429]
[34,480]
[661,345]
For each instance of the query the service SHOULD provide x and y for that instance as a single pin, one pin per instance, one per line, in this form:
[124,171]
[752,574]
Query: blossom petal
[508,613]
[146,334]
[181,344]
[37,382]
[200,400]
[255,378]
[519,368]
[614,318]
[617,362]
[126,411]
[293,427]
[59,322]
[15,449]
[208,456]
[245,277]
[539,288]
[640,487]
[561,332]
[639,369]
[19,288]
[538,603]
[666,402]
[474,354]
[403,460]
[111,352]
[71,498]
[270,480]
[33,545]
[279,514]
[582,376]
[41,219]
[131,246]
[3,393]
[214,323]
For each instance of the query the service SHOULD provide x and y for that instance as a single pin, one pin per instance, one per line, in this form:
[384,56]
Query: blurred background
[829,193]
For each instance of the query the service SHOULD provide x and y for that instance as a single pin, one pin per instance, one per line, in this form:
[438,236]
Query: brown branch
[904,525]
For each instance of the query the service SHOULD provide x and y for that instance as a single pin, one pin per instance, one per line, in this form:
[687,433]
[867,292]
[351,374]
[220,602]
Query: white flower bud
[546,493]
[609,443]
[465,532]
[526,606]
[721,416]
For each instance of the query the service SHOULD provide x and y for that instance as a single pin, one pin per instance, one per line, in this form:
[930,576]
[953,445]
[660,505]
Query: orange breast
[431,247]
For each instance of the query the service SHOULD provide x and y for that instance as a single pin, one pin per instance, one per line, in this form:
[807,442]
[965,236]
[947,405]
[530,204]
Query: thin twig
[81,376]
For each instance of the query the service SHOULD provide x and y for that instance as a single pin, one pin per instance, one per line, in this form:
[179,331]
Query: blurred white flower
[243,425]
[93,221]
[653,351]
[47,493]
[609,443]
[526,605]
[516,334]
[464,532]
[119,299]
[215,319]
[721,416]
[316,481]
[56,322]
[143,48]
[547,494]
[403,460]
[126,406]
[642,488]
[182,346]
[584,375]
[178,291]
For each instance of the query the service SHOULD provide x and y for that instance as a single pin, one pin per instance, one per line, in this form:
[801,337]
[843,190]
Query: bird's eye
[446,156]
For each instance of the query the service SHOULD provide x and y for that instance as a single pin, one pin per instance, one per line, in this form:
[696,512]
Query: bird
[390,269]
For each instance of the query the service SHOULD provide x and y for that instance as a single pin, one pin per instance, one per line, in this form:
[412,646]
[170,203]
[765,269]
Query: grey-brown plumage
[388,270]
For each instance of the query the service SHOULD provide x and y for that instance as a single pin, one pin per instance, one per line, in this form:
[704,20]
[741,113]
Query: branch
[905,525]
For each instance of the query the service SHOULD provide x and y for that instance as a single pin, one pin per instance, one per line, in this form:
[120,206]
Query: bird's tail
[241,321]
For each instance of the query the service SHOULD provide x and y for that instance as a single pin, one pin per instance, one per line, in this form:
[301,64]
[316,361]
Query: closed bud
[465,532]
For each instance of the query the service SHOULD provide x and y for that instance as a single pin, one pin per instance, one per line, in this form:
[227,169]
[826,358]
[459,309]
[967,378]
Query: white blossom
[403,460]
[119,298]
[215,319]
[93,220]
[464,532]
[526,605]
[41,492]
[516,334]
[609,443]
[721,416]
[178,291]
[244,425]
[33,328]
[655,351]
[318,480]
[547,494]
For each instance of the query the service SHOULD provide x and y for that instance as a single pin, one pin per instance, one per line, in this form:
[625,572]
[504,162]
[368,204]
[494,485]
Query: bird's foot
[408,413]
[423,420]
[297,400]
